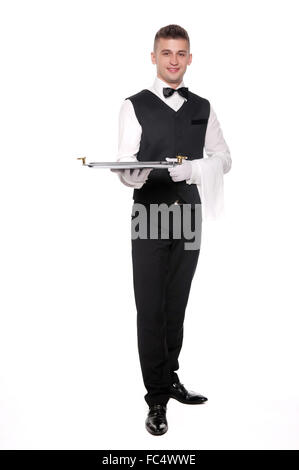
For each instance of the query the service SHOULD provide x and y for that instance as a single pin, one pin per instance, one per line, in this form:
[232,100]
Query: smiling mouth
[172,69]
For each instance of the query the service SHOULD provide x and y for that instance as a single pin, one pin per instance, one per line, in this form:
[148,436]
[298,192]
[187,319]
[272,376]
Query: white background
[70,376]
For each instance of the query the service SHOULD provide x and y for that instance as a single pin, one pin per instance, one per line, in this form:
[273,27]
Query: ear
[153,57]
[190,59]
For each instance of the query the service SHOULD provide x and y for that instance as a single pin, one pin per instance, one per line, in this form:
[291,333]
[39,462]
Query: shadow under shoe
[156,422]
[179,392]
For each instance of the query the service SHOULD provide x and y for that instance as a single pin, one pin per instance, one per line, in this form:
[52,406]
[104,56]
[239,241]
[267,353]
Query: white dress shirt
[207,173]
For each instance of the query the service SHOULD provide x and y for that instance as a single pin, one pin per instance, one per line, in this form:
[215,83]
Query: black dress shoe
[178,391]
[156,422]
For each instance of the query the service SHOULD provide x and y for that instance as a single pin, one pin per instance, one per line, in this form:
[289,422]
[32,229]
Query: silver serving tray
[132,165]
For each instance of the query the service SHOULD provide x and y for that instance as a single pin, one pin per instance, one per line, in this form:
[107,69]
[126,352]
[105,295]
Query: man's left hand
[181,171]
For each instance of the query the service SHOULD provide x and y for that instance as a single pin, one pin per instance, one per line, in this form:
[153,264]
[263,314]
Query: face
[172,58]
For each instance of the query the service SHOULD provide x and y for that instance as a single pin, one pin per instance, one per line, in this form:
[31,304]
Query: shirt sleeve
[208,173]
[129,135]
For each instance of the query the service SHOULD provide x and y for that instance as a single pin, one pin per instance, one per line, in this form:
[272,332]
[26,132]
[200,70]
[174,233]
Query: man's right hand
[133,177]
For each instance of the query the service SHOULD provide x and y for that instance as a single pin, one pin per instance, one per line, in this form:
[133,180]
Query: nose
[173,61]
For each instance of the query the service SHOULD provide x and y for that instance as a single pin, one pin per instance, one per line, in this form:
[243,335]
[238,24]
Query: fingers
[133,175]
[127,177]
[146,172]
[127,173]
[172,171]
[175,174]
[141,174]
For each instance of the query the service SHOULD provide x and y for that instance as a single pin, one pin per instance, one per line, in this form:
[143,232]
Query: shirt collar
[159,84]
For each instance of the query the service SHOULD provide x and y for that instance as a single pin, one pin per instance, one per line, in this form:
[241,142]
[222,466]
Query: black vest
[168,133]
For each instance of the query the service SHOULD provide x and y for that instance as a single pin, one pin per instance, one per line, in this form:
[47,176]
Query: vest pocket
[199,121]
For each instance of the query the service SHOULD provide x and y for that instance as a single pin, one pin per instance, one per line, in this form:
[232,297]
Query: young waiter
[166,120]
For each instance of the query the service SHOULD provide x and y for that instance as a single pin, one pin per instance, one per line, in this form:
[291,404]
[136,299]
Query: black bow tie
[183,91]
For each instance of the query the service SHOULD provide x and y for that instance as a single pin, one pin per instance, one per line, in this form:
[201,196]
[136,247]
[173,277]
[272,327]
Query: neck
[173,84]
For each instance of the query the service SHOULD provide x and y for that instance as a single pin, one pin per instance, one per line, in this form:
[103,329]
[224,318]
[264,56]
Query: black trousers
[162,275]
